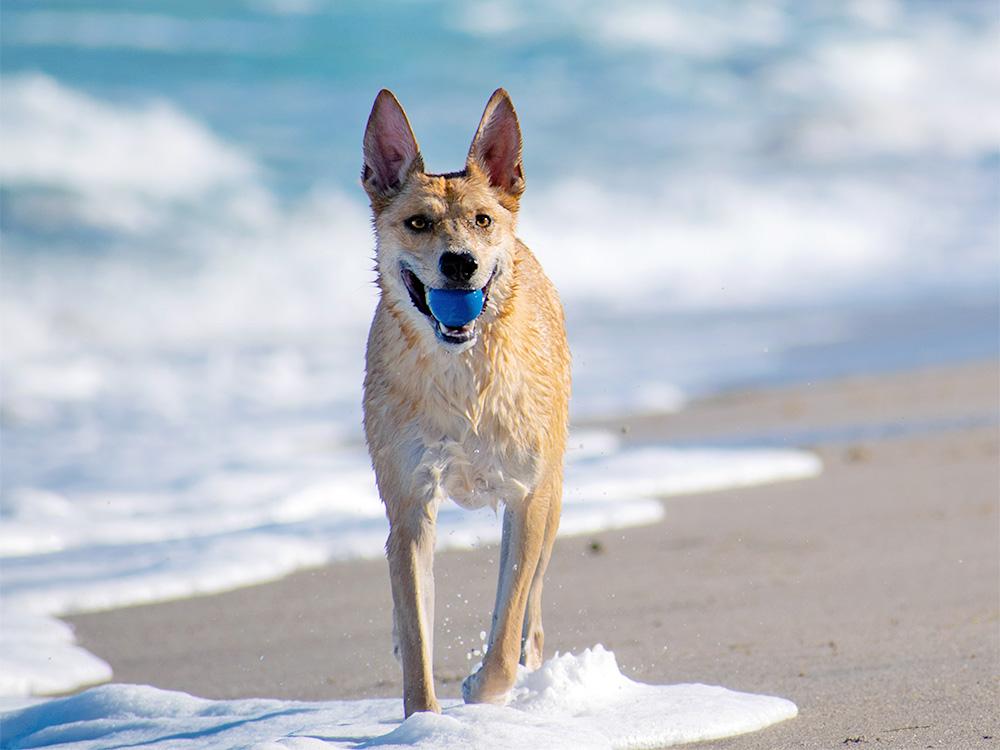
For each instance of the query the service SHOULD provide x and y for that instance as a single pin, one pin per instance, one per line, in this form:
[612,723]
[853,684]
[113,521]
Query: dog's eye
[482,220]
[418,223]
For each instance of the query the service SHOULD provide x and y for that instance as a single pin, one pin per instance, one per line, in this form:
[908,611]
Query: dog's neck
[464,385]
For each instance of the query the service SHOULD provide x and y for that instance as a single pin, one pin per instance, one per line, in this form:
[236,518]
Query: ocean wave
[114,166]
[204,270]
[933,92]
[698,30]
[811,82]
[731,241]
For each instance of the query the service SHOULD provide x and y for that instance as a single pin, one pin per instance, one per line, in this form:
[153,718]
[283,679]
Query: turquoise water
[798,131]
[725,194]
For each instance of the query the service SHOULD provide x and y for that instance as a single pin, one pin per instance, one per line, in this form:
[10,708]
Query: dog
[472,410]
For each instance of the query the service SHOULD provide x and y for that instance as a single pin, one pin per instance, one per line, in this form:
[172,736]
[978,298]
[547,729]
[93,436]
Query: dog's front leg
[410,550]
[524,533]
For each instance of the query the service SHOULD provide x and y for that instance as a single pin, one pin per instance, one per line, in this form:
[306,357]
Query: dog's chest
[471,451]
[474,473]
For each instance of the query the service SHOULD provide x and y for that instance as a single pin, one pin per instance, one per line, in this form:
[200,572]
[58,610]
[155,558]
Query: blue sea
[726,194]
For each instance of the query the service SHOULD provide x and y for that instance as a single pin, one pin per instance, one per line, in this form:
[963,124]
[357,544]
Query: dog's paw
[470,688]
[479,688]
[531,649]
[424,704]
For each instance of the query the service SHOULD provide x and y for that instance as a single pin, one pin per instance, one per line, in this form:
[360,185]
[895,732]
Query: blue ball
[455,307]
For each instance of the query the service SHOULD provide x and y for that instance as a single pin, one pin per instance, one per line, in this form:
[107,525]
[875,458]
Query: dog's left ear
[496,149]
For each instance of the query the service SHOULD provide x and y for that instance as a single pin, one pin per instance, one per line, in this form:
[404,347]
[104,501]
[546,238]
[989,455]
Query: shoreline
[866,595]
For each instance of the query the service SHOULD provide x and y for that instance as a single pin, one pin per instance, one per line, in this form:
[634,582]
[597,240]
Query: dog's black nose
[458,266]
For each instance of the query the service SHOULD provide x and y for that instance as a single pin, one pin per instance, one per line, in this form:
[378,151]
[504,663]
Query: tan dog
[475,412]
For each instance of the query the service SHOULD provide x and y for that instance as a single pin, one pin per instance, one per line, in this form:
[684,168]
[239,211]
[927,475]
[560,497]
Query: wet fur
[483,424]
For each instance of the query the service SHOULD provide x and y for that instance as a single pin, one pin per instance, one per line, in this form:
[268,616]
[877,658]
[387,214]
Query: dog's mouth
[449,334]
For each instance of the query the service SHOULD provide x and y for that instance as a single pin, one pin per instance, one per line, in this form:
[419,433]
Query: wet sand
[869,595]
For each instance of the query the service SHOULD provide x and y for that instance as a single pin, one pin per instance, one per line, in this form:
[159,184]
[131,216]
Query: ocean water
[726,194]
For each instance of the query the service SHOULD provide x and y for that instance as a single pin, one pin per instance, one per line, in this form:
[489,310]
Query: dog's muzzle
[448,334]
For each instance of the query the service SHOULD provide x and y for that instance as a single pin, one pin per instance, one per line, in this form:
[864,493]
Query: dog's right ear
[390,149]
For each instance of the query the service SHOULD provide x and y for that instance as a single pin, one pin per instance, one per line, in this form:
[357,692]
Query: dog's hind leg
[532,635]
[410,550]
[524,536]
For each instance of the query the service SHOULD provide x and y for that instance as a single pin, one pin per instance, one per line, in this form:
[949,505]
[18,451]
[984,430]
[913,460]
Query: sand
[869,595]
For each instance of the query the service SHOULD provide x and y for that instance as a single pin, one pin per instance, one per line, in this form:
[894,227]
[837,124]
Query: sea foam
[90,551]
[572,702]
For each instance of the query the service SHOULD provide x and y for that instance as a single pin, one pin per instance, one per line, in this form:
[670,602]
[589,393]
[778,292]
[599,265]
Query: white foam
[38,656]
[718,242]
[687,29]
[104,550]
[571,702]
[100,550]
[121,161]
[880,88]
[659,471]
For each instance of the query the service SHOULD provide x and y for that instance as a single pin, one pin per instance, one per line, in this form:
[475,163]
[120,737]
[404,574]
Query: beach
[866,595]
[773,229]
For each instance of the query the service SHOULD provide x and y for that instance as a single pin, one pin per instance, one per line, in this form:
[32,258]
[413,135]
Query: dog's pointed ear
[390,150]
[496,148]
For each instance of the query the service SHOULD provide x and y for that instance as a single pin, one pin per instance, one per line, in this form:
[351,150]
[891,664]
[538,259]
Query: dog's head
[445,242]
